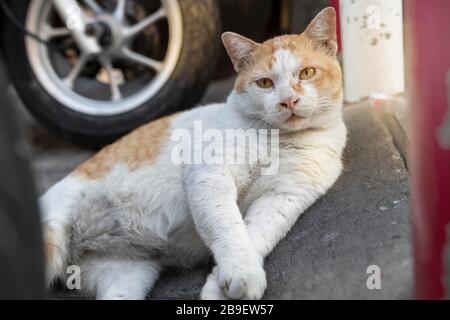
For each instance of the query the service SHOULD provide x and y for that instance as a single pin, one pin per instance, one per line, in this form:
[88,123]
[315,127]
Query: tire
[184,88]
[21,258]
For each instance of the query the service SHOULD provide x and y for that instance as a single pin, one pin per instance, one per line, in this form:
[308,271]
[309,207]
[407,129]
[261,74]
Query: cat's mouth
[295,118]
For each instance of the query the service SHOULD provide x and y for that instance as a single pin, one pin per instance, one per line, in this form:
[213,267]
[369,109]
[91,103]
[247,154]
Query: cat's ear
[322,31]
[238,48]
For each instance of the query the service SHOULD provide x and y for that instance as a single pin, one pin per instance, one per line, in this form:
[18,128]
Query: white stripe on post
[372,48]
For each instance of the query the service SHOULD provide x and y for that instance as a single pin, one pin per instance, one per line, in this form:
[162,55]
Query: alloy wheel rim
[62,87]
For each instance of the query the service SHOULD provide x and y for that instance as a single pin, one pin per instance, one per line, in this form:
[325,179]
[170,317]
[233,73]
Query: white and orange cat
[130,211]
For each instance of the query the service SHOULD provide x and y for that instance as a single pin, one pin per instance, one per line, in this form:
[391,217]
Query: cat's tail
[55,250]
[85,225]
[56,211]
[74,215]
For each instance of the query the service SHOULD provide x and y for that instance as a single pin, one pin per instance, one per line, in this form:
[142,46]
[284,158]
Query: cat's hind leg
[119,279]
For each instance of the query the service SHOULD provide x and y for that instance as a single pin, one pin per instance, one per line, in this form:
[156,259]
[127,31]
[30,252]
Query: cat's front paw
[211,290]
[243,281]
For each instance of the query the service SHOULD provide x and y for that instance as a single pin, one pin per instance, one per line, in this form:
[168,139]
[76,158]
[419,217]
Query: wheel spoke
[76,71]
[51,32]
[120,10]
[142,60]
[113,84]
[143,24]
[94,6]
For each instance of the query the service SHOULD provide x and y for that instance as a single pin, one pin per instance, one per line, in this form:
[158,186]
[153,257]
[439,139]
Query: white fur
[56,207]
[229,210]
[119,279]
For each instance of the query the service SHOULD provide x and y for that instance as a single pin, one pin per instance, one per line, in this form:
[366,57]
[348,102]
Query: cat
[130,211]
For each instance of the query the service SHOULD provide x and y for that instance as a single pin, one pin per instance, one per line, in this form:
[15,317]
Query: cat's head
[292,82]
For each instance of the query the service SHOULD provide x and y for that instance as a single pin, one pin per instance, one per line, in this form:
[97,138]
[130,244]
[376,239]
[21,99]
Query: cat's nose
[289,103]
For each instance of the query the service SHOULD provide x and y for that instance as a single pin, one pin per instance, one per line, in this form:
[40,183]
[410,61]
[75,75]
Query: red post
[335,5]
[428,34]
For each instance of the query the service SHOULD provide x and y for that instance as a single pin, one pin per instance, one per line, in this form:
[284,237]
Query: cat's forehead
[284,53]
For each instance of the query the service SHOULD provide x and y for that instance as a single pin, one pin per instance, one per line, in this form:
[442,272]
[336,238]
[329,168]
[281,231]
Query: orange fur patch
[50,246]
[138,148]
[297,87]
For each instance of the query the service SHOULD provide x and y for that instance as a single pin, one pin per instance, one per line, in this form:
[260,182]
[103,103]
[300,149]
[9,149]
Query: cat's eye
[265,83]
[307,73]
